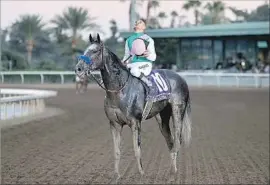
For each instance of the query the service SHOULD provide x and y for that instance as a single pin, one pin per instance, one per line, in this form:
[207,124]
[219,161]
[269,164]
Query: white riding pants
[140,67]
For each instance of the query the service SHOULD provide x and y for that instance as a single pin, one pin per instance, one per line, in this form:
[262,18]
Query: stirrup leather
[147,109]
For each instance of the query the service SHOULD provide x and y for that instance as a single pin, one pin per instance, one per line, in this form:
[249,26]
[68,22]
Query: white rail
[256,80]
[197,79]
[21,102]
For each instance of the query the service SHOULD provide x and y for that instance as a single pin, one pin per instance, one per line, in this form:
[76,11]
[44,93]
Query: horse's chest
[114,113]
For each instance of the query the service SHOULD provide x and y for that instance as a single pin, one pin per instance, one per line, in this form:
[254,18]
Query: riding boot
[145,80]
[149,89]
[150,95]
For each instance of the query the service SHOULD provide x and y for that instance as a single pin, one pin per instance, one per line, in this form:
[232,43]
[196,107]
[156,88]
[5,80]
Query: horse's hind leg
[136,143]
[176,115]
[116,130]
[163,120]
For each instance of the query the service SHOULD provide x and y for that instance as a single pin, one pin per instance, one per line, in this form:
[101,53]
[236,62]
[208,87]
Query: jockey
[140,65]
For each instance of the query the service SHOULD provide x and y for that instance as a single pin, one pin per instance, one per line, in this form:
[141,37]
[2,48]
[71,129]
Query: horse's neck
[113,75]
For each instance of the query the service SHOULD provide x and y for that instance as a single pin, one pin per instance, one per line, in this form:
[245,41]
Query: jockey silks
[149,42]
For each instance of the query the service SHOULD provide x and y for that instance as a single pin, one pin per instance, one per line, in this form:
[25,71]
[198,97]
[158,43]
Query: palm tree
[60,25]
[28,27]
[4,33]
[240,14]
[75,20]
[114,28]
[162,16]
[153,23]
[137,3]
[151,5]
[193,4]
[78,19]
[112,42]
[216,11]
[151,20]
[174,14]
[181,19]
[261,13]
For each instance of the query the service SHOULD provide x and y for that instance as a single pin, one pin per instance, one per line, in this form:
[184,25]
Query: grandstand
[208,46]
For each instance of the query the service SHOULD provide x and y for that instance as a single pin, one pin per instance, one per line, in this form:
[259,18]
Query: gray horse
[126,97]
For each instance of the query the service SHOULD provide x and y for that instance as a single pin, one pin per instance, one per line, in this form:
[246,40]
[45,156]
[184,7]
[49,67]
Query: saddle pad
[161,86]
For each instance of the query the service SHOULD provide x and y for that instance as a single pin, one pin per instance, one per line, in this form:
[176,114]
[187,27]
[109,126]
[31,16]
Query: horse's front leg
[116,131]
[77,87]
[136,134]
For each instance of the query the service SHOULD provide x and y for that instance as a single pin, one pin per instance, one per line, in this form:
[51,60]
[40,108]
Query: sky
[103,10]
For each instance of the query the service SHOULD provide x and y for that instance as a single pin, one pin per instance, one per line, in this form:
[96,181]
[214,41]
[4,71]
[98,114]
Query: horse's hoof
[171,179]
[141,172]
[116,178]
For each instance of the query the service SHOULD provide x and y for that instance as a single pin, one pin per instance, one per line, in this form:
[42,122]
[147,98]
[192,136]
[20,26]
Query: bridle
[101,83]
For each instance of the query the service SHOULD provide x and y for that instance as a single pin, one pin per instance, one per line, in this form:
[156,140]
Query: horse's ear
[98,38]
[90,38]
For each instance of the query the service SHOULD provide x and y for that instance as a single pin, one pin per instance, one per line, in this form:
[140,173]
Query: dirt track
[230,143]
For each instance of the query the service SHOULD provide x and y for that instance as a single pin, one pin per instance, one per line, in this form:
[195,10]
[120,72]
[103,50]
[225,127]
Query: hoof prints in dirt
[228,146]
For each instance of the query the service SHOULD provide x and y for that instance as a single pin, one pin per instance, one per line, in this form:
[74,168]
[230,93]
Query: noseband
[100,83]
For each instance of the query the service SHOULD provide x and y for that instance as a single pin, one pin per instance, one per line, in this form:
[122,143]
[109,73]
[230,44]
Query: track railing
[200,79]
[22,102]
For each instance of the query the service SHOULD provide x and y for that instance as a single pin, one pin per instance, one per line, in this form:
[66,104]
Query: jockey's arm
[127,52]
[152,51]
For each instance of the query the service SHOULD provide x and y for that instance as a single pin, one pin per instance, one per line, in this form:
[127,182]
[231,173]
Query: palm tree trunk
[29,58]
[148,11]
[132,14]
[73,46]
[196,17]
[73,43]
[172,22]
[29,48]
[129,16]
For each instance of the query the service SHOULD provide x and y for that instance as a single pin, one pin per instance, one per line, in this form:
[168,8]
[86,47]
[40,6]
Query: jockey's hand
[146,54]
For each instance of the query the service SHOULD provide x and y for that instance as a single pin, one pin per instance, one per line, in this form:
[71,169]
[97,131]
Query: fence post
[218,80]
[62,78]
[3,78]
[199,80]
[237,81]
[257,81]
[22,78]
[41,79]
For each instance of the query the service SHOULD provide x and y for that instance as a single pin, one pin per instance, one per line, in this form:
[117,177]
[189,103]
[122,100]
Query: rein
[101,83]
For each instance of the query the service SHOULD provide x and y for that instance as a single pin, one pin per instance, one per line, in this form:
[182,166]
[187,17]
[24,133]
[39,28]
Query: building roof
[232,29]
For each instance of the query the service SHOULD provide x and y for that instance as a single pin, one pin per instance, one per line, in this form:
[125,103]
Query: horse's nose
[79,69]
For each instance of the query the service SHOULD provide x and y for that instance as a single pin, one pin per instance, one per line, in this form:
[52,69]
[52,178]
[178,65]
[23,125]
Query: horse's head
[92,59]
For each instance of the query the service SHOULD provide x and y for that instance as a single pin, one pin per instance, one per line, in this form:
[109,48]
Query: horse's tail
[186,123]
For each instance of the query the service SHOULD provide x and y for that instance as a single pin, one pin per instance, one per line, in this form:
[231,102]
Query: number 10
[162,86]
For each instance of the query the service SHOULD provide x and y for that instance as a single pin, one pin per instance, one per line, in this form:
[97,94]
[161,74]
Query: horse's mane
[115,58]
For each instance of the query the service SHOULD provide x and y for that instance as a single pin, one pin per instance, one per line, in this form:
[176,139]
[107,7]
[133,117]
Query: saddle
[160,90]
